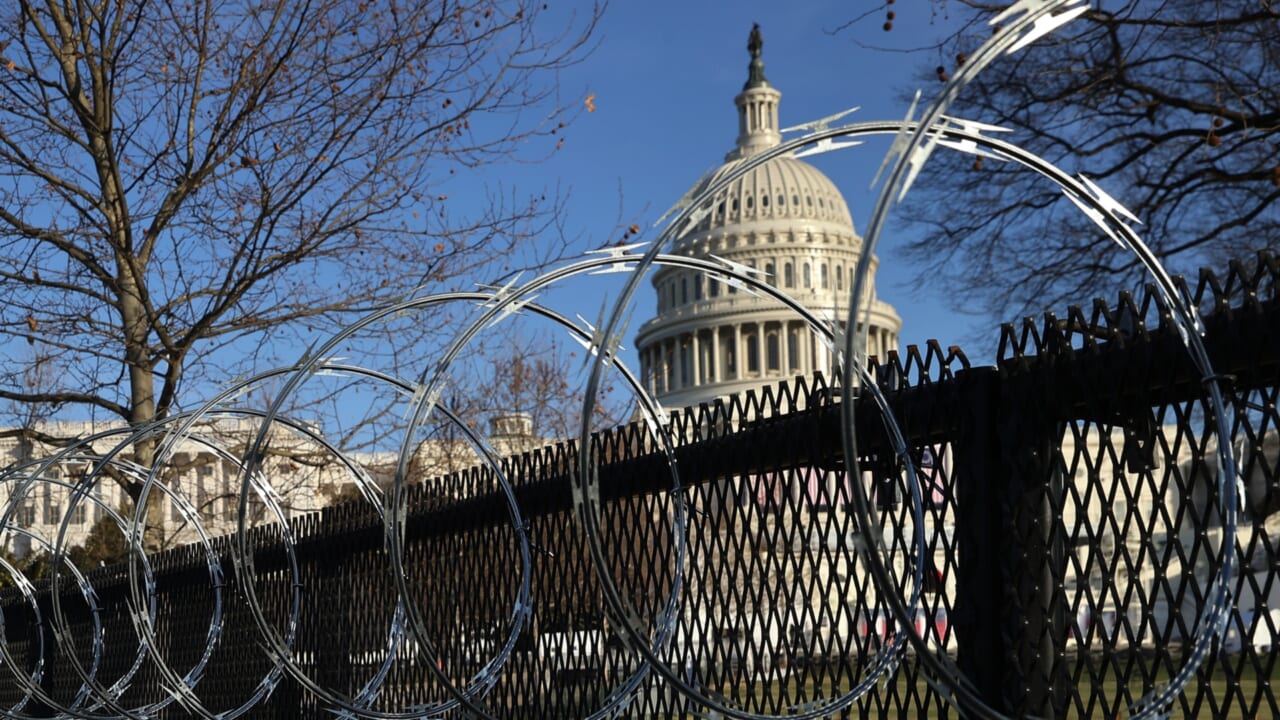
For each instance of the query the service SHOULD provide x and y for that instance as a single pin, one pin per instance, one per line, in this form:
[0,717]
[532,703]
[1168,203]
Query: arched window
[764,201]
[753,353]
[684,290]
[750,201]
[808,278]
[768,271]
[840,277]
[773,351]
[27,513]
[826,282]
[793,349]
[788,275]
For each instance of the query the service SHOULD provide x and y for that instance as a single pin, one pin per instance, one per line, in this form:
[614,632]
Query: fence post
[1010,614]
[978,616]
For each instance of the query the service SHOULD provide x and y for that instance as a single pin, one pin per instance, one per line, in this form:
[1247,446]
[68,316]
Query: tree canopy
[183,184]
[1172,107]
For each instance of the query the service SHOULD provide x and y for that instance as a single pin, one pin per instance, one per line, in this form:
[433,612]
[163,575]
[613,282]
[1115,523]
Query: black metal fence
[1069,516]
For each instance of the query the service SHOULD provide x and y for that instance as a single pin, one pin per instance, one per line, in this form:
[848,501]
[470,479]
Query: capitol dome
[784,188]
[784,218]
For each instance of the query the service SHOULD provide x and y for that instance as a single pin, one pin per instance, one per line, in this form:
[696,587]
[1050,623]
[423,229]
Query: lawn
[908,696]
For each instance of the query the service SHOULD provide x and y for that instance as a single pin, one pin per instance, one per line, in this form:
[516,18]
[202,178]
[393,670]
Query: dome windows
[773,190]
[728,355]
[760,220]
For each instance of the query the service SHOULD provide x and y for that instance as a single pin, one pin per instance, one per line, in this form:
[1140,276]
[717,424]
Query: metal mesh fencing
[1068,512]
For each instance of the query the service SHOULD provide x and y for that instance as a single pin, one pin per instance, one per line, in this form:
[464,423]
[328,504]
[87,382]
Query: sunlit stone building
[204,469]
[784,218]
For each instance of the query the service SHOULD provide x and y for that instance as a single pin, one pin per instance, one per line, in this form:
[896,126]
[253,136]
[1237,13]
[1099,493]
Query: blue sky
[663,77]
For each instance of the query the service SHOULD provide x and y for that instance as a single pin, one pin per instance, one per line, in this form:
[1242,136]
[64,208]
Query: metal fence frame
[1012,593]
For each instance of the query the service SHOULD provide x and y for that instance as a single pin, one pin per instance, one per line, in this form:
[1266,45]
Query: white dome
[788,222]
[782,189]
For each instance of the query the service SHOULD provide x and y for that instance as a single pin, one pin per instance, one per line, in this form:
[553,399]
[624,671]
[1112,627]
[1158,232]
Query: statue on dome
[755,43]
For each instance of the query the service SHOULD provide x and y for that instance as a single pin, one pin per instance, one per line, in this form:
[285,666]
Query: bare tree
[529,395]
[545,381]
[37,372]
[1172,107]
[183,184]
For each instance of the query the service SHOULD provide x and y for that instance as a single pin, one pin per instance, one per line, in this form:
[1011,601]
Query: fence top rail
[1240,302]
[1247,285]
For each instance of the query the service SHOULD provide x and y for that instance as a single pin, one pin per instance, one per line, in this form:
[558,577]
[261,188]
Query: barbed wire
[260,505]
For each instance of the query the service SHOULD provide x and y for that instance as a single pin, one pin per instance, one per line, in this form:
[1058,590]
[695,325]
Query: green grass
[1229,698]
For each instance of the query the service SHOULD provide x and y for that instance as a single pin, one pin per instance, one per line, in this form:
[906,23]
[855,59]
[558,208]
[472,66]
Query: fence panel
[1068,514]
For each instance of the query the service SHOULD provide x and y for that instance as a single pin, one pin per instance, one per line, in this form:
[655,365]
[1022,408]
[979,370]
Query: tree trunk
[142,403]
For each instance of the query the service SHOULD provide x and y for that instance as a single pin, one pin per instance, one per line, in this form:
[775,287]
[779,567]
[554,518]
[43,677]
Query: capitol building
[785,219]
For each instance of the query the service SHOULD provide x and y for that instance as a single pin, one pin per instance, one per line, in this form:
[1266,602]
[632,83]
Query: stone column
[714,375]
[673,365]
[695,354]
[738,358]
[681,370]
[759,349]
